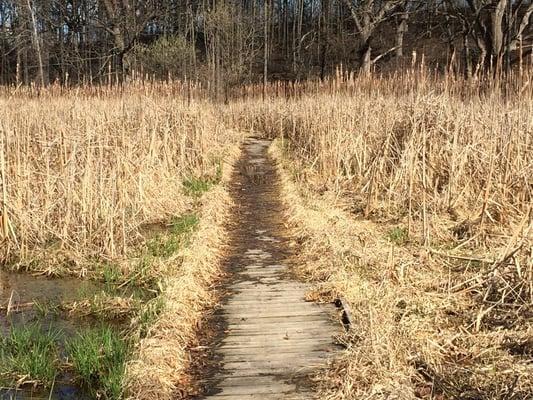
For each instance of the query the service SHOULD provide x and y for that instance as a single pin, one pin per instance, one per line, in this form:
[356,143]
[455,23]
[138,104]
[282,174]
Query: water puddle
[26,300]
[62,391]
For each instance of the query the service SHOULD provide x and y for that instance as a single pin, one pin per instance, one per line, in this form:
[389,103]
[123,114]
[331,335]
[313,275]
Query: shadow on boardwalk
[269,338]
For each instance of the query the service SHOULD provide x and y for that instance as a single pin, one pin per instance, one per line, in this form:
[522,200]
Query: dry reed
[162,368]
[414,204]
[83,171]
[412,195]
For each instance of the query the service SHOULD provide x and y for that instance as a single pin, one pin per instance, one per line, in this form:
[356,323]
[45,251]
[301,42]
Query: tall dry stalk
[89,167]
[3,221]
[412,143]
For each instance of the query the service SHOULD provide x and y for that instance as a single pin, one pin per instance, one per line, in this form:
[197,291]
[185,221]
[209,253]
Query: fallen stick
[460,257]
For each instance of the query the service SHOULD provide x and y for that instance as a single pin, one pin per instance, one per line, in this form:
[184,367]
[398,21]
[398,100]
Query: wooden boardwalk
[273,339]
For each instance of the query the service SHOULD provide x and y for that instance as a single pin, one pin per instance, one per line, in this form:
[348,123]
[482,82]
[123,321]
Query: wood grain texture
[273,339]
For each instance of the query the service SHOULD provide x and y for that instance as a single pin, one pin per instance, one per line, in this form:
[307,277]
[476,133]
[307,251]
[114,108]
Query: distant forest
[230,42]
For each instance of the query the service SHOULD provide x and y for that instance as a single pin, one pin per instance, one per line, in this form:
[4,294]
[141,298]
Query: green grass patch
[195,186]
[98,355]
[111,274]
[98,358]
[148,314]
[398,235]
[165,245]
[45,308]
[184,224]
[29,355]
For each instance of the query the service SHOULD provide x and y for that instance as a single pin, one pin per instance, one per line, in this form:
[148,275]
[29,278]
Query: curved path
[272,338]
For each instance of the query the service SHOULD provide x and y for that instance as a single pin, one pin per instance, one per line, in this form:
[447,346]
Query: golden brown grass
[162,369]
[416,331]
[88,176]
[411,193]
[411,146]
[83,172]
[415,206]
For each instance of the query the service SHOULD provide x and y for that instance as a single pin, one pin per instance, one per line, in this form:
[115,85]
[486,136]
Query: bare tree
[126,19]
[401,29]
[497,26]
[367,16]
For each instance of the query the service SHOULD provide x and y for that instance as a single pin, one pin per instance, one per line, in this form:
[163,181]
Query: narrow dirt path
[271,338]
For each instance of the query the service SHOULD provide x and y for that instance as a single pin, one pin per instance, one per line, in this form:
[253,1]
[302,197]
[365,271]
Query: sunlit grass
[98,358]
[29,355]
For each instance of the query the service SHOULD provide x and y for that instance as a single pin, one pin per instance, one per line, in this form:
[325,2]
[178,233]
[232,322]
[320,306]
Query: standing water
[26,300]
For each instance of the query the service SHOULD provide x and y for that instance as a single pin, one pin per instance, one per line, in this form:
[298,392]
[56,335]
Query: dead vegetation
[415,207]
[114,186]
[410,196]
[82,171]
[162,367]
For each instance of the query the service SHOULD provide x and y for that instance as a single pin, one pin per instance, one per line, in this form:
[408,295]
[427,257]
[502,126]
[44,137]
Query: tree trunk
[18,72]
[366,59]
[401,30]
[467,62]
[497,32]
[36,43]
[265,45]
[324,37]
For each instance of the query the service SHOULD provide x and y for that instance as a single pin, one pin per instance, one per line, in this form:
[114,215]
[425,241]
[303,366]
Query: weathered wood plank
[288,348]
[236,321]
[272,337]
[263,396]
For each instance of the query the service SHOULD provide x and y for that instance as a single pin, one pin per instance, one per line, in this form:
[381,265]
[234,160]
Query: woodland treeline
[229,42]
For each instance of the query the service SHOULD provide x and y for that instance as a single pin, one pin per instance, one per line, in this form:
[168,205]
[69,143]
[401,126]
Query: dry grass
[412,195]
[395,146]
[90,179]
[415,331]
[415,205]
[83,172]
[162,369]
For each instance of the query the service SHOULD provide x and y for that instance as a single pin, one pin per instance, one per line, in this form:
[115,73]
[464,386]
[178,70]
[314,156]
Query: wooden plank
[278,337]
[285,329]
[262,396]
[257,388]
[253,357]
[295,372]
[272,334]
[272,313]
[305,307]
[231,320]
[275,288]
[283,365]
[288,348]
